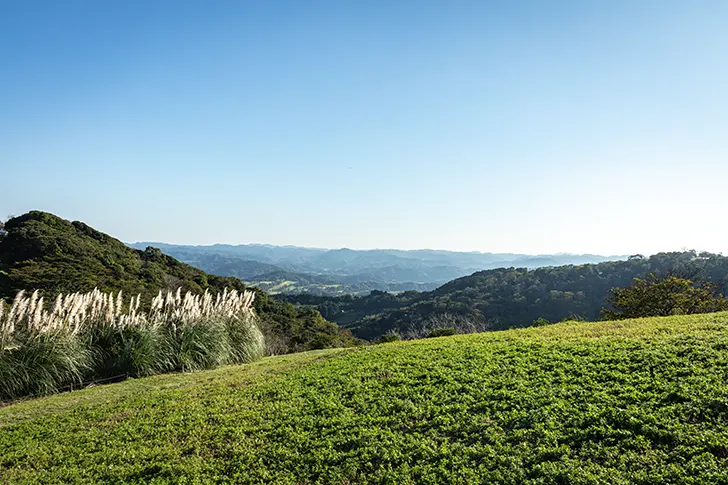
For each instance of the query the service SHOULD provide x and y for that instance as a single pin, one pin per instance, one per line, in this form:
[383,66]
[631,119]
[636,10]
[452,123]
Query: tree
[669,295]
[442,332]
[540,322]
[389,337]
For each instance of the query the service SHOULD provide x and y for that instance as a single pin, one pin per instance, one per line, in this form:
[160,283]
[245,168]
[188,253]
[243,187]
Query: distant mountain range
[502,298]
[296,270]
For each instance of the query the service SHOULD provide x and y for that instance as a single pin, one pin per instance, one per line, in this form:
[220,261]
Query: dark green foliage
[138,351]
[246,342]
[42,364]
[511,297]
[42,251]
[289,329]
[350,311]
[655,296]
[441,332]
[540,322]
[200,346]
[620,403]
[389,337]
[146,351]
[34,362]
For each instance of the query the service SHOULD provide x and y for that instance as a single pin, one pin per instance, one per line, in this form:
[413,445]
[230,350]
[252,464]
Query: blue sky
[513,126]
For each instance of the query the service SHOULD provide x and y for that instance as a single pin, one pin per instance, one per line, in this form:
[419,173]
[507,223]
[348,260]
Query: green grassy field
[631,402]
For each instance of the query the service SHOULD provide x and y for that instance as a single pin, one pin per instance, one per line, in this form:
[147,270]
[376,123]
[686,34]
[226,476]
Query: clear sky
[511,126]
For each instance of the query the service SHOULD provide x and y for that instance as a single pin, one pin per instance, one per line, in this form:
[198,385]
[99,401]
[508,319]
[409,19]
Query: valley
[335,272]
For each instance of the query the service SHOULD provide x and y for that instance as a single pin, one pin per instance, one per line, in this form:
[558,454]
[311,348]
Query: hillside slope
[349,271]
[510,297]
[629,402]
[42,251]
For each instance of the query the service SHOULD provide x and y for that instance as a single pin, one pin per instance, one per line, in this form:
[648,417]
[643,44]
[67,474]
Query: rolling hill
[508,297]
[630,402]
[43,251]
[334,272]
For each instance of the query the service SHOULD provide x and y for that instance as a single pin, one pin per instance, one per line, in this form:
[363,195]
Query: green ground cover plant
[620,402]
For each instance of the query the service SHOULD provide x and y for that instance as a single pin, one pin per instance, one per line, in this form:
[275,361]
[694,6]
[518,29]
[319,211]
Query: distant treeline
[510,297]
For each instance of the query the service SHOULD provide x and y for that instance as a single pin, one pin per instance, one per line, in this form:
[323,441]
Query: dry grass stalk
[78,311]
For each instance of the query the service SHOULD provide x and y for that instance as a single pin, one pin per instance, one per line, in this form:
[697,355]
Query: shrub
[199,345]
[441,332]
[96,335]
[663,296]
[138,351]
[389,337]
[207,332]
[37,357]
[540,322]
[247,343]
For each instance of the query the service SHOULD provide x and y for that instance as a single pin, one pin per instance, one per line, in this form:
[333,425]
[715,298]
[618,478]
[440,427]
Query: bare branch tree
[459,323]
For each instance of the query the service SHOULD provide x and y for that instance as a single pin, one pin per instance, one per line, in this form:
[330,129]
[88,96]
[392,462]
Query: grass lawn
[633,402]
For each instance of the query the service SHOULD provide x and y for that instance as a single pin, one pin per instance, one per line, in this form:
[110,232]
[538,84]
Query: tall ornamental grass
[94,336]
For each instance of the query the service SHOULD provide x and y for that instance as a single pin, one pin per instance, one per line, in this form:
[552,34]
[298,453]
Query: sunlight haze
[526,127]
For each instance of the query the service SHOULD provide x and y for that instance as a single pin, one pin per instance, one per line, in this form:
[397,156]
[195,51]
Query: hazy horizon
[522,127]
[374,248]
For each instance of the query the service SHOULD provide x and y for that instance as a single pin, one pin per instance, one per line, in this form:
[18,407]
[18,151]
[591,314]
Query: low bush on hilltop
[659,297]
[97,335]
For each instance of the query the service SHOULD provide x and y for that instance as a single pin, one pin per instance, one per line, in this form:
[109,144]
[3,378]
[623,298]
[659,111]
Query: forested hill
[42,251]
[509,297]
[335,272]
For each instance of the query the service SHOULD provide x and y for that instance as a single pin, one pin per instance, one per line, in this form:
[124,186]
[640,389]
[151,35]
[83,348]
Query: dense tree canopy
[670,295]
[512,297]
